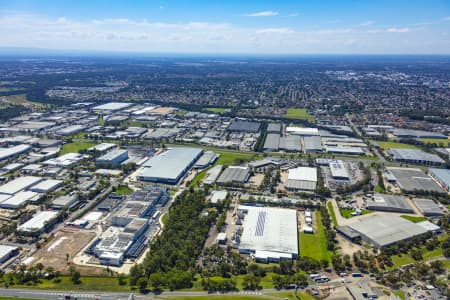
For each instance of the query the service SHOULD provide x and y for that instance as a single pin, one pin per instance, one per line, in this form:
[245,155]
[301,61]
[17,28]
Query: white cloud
[399,29]
[367,23]
[446,18]
[275,30]
[266,13]
[141,35]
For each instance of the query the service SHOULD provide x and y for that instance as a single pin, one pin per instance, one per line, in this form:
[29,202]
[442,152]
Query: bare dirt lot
[65,241]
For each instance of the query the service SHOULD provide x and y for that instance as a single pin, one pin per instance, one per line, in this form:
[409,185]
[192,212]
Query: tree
[142,284]
[156,281]
[121,278]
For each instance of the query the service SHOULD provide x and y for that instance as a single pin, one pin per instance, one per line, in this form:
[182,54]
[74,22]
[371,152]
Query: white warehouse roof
[8,152]
[18,184]
[269,229]
[46,185]
[38,221]
[302,130]
[303,174]
[19,199]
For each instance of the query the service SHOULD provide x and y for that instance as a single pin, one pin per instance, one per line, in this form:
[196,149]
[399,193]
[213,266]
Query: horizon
[233,28]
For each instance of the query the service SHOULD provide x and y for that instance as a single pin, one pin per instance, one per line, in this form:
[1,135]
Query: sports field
[299,114]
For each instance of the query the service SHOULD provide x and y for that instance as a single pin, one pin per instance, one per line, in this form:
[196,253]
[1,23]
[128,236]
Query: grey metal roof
[410,179]
[384,230]
[245,126]
[272,141]
[274,127]
[415,155]
[234,174]
[385,202]
[290,143]
[312,143]
[171,164]
[428,207]
[441,175]
[300,185]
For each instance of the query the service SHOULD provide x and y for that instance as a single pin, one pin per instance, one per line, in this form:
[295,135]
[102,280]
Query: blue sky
[229,26]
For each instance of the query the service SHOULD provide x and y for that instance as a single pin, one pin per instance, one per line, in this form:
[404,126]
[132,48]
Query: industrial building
[390,203]
[72,129]
[18,184]
[19,199]
[212,174]
[345,150]
[244,126]
[218,196]
[442,176]
[290,143]
[415,156]
[114,157]
[208,158]
[103,147]
[171,166]
[38,223]
[234,174]
[428,207]
[272,142]
[111,106]
[65,160]
[270,234]
[304,131]
[417,134]
[6,252]
[46,185]
[338,170]
[411,179]
[274,128]
[65,201]
[6,153]
[301,179]
[131,227]
[312,144]
[385,230]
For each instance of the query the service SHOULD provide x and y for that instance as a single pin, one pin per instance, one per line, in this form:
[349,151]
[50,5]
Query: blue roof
[442,175]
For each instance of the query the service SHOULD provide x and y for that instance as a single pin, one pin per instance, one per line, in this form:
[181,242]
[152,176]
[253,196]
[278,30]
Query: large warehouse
[428,207]
[338,170]
[38,223]
[384,230]
[234,174]
[19,184]
[391,203]
[416,156]
[442,176]
[301,179]
[411,179]
[269,233]
[114,157]
[171,166]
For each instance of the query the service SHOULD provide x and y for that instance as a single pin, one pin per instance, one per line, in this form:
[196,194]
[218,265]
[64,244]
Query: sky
[229,26]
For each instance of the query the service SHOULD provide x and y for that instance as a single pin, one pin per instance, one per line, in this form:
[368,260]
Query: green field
[413,218]
[315,245]
[332,213]
[75,147]
[299,114]
[274,296]
[445,143]
[228,157]
[217,110]
[98,284]
[123,190]
[198,178]
[394,145]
